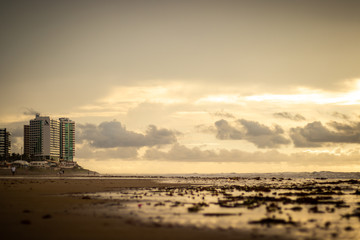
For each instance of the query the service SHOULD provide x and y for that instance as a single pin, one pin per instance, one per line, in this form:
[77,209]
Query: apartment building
[67,139]
[50,139]
[5,144]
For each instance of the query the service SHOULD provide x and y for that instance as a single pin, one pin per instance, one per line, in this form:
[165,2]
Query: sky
[188,86]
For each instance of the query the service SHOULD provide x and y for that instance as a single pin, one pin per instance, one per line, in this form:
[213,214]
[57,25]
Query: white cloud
[306,95]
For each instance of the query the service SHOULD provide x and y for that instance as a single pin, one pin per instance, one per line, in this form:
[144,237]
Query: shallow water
[298,208]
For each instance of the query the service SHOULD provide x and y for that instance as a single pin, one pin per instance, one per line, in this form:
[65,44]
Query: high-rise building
[44,141]
[26,141]
[67,139]
[5,144]
[49,139]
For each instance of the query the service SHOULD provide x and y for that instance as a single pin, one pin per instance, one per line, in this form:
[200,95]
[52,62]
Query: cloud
[88,152]
[287,115]
[16,129]
[226,131]
[312,135]
[30,112]
[259,134]
[325,158]
[341,115]
[203,128]
[256,129]
[223,114]
[346,128]
[300,140]
[180,153]
[315,134]
[114,134]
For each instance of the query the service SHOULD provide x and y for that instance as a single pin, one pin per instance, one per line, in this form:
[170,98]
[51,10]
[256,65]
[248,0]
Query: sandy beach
[42,208]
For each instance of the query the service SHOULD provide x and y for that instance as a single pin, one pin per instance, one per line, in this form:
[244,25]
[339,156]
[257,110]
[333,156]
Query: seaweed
[273,221]
[220,214]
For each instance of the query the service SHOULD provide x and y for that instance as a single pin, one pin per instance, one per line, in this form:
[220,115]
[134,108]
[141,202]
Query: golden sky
[188,86]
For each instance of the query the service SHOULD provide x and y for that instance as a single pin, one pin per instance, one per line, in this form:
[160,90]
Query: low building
[20,164]
[39,164]
[67,164]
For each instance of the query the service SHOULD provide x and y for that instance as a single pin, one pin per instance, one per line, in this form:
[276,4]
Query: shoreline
[47,172]
[36,208]
[81,172]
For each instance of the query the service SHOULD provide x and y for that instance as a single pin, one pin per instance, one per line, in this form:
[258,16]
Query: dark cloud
[30,112]
[287,115]
[348,128]
[315,134]
[299,139]
[259,134]
[226,131]
[256,129]
[114,134]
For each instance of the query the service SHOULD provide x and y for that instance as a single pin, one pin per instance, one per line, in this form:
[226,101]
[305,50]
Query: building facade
[5,144]
[26,141]
[67,139]
[44,137]
[49,139]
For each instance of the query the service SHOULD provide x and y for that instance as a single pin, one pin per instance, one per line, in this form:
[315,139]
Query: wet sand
[43,208]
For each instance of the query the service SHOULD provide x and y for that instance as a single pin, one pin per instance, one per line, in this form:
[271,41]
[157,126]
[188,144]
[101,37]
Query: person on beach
[13,169]
[61,172]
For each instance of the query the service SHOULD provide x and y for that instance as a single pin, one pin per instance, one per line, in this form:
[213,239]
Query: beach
[41,207]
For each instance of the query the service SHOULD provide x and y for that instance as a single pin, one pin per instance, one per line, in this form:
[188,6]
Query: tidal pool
[300,208]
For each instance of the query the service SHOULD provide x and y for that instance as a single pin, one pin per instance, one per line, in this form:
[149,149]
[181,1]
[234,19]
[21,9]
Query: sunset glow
[174,86]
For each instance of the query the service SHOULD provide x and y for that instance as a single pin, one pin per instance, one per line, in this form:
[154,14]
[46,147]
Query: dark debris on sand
[273,221]
[281,201]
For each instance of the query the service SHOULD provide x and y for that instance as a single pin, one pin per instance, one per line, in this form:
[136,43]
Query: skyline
[190,86]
